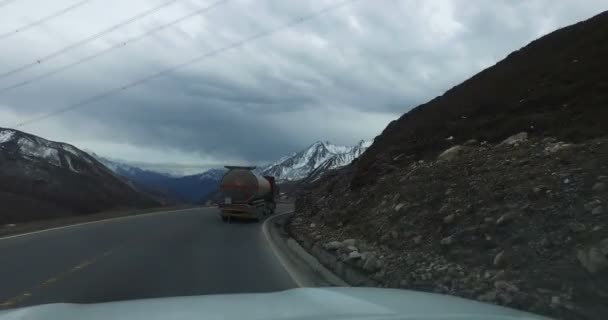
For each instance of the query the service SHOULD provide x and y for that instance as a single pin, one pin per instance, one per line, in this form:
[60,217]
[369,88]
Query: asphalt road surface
[188,252]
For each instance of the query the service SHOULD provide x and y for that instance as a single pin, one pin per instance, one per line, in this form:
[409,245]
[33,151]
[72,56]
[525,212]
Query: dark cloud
[340,77]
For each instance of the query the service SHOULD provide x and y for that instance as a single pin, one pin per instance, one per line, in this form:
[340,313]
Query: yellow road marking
[12,302]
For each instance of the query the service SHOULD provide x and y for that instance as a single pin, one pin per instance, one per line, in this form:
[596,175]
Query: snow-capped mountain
[41,178]
[34,148]
[316,159]
[191,188]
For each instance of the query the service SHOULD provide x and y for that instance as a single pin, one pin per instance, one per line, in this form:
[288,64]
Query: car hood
[302,303]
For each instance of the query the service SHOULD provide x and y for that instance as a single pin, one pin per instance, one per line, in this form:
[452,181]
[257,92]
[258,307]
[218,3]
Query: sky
[341,76]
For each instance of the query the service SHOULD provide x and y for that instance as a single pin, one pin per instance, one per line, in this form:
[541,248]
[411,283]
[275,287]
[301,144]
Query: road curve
[187,252]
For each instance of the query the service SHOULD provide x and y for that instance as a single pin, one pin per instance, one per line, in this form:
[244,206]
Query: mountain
[43,179]
[189,189]
[318,158]
[494,191]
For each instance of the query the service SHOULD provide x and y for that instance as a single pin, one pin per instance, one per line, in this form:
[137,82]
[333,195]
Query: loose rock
[489,296]
[505,286]
[449,219]
[597,211]
[506,218]
[500,259]
[598,187]
[447,240]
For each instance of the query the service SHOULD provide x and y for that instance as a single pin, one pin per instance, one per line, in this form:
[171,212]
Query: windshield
[157,149]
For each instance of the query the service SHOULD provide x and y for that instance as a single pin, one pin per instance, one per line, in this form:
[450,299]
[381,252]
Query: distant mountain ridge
[318,158]
[42,179]
[191,189]
[309,163]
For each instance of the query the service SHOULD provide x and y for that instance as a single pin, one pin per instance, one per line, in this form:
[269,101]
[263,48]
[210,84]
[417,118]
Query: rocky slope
[42,179]
[315,160]
[518,220]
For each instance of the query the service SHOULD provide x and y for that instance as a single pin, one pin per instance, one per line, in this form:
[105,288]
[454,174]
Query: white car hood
[302,303]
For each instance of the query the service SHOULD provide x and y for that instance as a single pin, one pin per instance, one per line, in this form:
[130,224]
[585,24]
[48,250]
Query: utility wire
[6,2]
[112,48]
[87,39]
[199,58]
[42,20]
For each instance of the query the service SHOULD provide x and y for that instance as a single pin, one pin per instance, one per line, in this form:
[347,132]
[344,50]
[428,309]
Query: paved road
[180,253]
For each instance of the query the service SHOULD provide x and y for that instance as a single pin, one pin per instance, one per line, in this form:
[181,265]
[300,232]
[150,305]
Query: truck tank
[242,185]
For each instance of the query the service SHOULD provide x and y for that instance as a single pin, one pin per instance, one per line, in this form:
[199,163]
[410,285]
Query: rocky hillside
[494,191]
[43,179]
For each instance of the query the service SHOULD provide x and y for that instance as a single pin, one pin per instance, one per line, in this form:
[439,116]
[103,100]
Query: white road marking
[292,273]
[93,222]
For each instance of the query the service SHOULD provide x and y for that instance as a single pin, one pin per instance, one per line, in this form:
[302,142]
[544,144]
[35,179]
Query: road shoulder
[305,270]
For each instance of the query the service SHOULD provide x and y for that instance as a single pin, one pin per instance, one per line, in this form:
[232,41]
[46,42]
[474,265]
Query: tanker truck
[246,194]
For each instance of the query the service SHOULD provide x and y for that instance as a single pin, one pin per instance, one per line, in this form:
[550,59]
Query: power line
[86,40]
[112,48]
[199,58]
[6,2]
[42,20]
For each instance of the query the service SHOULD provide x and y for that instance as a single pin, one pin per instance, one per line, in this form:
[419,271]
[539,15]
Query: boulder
[351,248]
[505,286]
[449,219]
[447,240]
[370,263]
[555,147]
[595,258]
[452,153]
[471,142]
[506,218]
[515,139]
[489,296]
[349,242]
[500,259]
[354,255]
[333,245]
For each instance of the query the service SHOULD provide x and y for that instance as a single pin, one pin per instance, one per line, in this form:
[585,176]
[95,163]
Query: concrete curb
[303,267]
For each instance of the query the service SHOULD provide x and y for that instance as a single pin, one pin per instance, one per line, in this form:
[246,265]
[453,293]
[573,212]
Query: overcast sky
[340,77]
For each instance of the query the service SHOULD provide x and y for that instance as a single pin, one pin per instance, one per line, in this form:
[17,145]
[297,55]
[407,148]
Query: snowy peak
[318,157]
